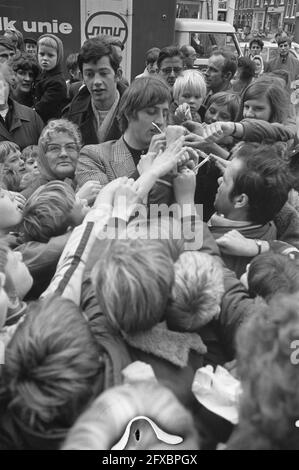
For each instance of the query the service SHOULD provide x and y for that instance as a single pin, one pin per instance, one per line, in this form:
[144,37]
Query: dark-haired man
[94,108]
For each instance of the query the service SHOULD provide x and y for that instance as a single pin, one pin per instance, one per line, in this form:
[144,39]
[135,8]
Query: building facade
[290,16]
[262,16]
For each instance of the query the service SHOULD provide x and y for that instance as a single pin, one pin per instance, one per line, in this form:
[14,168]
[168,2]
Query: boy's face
[5,54]
[31,165]
[31,48]
[10,213]
[141,127]
[4,90]
[62,155]
[15,162]
[194,100]
[255,49]
[101,82]
[47,57]
[217,112]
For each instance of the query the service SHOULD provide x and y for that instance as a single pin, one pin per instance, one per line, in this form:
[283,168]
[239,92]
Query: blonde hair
[31,151]
[46,213]
[48,42]
[196,293]
[133,280]
[6,147]
[104,423]
[192,81]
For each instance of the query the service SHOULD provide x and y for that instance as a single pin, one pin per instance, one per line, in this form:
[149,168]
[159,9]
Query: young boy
[50,88]
[189,92]
[50,211]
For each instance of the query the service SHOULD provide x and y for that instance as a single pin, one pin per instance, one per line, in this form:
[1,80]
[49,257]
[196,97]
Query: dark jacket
[22,125]
[80,112]
[50,94]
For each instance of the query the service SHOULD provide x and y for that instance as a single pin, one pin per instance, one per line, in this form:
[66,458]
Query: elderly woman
[59,146]
[18,123]
[26,70]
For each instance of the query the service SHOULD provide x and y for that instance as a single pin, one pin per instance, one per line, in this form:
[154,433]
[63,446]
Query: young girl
[189,92]
[50,89]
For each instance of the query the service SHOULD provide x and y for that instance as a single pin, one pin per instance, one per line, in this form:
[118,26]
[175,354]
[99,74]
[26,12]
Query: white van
[206,36]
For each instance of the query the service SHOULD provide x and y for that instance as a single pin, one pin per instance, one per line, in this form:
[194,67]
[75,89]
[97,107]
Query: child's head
[11,157]
[50,211]
[223,106]
[267,358]
[190,88]
[52,367]
[49,52]
[30,157]
[133,280]
[15,279]
[72,67]
[11,215]
[272,273]
[197,291]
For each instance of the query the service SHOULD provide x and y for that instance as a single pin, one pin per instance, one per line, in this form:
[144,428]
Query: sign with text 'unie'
[34,18]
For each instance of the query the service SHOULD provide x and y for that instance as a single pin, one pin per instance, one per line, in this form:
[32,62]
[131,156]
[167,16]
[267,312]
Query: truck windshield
[205,43]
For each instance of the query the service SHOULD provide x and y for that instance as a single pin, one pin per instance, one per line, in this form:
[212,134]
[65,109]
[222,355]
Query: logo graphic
[144,425]
[108,23]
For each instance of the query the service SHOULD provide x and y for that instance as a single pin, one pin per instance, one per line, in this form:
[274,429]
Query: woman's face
[258,66]
[62,155]
[258,108]
[23,80]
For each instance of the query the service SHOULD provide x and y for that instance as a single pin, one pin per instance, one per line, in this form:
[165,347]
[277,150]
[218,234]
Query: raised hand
[184,187]
[89,191]
[106,195]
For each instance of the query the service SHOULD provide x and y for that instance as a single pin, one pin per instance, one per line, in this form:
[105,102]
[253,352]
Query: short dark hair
[143,92]
[71,62]
[258,41]
[247,67]
[30,41]
[24,61]
[272,273]
[225,98]
[230,61]
[168,52]
[94,49]
[264,178]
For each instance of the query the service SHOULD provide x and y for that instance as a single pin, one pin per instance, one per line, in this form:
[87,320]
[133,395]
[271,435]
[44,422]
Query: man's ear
[241,201]
[227,76]
[119,74]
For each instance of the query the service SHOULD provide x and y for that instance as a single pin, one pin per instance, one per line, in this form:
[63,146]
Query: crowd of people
[149,232]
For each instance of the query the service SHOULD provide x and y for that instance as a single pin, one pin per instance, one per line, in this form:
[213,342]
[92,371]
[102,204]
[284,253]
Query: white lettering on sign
[37,26]
[108,23]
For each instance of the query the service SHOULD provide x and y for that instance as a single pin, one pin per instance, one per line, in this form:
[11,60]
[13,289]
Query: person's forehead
[172,62]
[217,61]
[285,43]
[163,106]
[234,168]
[103,62]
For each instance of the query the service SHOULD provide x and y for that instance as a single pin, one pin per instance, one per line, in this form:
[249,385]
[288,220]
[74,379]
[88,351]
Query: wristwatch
[259,245]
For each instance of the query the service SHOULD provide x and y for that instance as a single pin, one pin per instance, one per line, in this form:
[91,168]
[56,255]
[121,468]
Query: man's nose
[97,78]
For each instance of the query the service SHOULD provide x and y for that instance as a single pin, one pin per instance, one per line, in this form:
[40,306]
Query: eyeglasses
[168,70]
[55,148]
